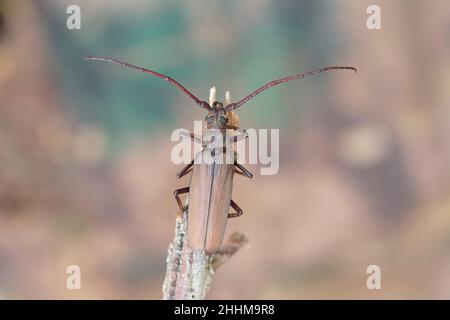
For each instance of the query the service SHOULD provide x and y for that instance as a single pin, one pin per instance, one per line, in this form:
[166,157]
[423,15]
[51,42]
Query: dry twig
[190,273]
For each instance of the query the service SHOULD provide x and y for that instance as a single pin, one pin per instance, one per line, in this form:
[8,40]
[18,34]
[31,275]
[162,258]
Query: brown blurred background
[85,170]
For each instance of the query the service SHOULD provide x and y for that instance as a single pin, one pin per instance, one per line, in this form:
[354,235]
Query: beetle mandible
[211,183]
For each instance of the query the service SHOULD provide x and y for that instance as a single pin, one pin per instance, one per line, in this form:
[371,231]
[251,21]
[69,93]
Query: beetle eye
[223,120]
[210,118]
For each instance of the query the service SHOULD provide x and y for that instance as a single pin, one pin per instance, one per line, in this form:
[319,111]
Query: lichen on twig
[189,273]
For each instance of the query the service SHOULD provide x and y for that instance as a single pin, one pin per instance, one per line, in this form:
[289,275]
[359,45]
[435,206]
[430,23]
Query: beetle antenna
[273,83]
[201,103]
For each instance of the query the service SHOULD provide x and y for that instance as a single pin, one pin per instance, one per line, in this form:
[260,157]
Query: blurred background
[85,170]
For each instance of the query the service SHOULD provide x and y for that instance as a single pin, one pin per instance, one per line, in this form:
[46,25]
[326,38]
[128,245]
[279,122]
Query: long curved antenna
[273,83]
[201,103]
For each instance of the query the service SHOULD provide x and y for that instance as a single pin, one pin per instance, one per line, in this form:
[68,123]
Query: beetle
[211,183]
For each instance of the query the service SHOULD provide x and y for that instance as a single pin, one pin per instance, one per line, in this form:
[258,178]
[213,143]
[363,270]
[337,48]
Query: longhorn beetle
[211,183]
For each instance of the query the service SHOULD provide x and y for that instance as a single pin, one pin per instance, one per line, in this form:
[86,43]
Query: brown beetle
[212,183]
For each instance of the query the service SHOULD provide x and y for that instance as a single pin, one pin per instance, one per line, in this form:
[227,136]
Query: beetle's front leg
[177,193]
[185,170]
[241,136]
[193,137]
[238,212]
[242,171]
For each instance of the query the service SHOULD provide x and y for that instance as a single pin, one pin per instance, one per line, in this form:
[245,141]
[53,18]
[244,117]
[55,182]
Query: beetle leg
[185,170]
[177,193]
[242,171]
[235,207]
[240,136]
[193,137]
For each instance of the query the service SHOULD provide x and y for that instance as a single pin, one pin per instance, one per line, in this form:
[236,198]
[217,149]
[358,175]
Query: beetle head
[219,116]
